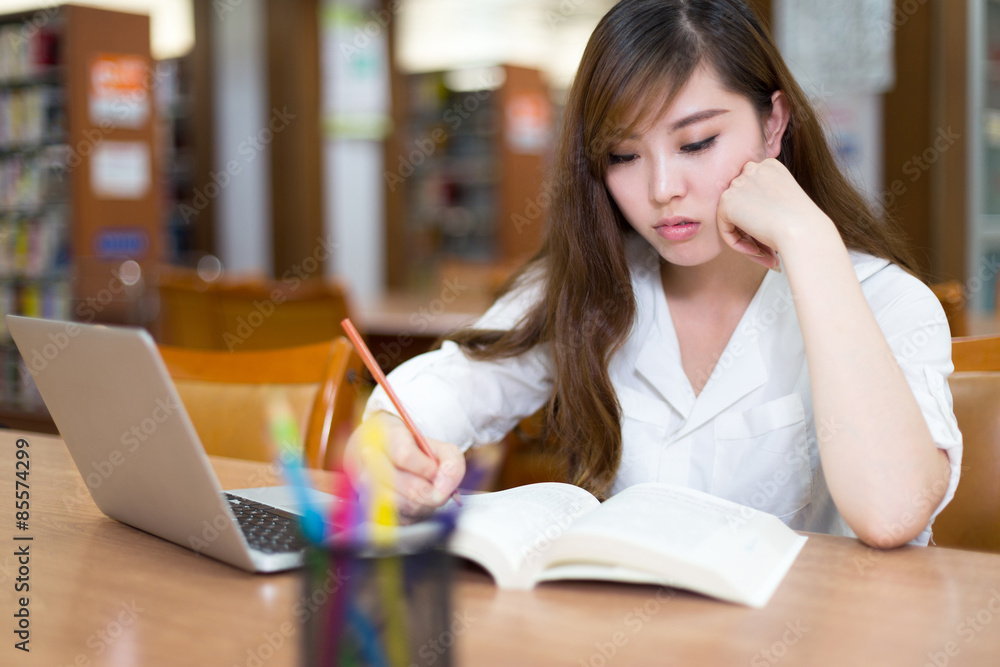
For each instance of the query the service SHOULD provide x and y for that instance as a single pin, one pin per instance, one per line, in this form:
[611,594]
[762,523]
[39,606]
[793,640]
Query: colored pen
[285,435]
[384,522]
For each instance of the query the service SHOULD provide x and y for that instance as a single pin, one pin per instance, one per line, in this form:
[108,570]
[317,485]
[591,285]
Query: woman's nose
[666,181]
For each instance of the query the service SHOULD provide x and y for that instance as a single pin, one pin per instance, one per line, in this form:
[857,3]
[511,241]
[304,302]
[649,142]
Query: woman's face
[667,178]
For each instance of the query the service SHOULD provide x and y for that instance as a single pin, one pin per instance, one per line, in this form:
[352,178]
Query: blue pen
[285,435]
[368,635]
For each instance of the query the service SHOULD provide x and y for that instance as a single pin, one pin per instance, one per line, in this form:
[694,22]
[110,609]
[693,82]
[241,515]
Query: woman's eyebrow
[697,118]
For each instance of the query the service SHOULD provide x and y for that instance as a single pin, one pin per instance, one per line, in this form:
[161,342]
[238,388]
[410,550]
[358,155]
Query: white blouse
[749,436]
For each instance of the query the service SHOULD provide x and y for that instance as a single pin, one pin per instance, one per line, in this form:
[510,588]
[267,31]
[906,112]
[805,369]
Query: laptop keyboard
[266,528]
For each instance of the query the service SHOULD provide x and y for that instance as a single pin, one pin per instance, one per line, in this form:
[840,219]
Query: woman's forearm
[876,449]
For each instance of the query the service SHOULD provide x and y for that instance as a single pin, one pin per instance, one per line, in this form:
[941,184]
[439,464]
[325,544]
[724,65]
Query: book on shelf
[649,533]
[28,50]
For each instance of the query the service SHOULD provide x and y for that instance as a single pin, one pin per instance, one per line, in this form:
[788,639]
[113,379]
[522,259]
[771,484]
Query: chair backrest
[258,315]
[188,308]
[972,519]
[241,313]
[227,394]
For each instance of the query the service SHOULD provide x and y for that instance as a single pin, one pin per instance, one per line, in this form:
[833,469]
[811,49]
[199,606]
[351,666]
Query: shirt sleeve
[467,402]
[916,328]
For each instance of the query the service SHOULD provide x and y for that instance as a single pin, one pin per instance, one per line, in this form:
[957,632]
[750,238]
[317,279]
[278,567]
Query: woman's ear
[776,124]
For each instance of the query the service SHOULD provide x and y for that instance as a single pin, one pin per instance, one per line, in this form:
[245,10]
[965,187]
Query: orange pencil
[383,382]
[379,376]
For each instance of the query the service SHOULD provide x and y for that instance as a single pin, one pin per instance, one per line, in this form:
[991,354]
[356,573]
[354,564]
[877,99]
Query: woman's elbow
[890,534]
[899,524]
[895,518]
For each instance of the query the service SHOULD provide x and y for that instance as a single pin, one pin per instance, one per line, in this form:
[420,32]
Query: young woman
[715,305]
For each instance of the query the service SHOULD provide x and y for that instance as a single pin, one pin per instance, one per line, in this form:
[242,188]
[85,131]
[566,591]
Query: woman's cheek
[730,167]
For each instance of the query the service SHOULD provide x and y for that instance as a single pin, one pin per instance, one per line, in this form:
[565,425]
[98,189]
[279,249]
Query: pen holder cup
[384,602]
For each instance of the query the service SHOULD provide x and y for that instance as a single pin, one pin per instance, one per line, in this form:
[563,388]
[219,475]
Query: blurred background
[393,155]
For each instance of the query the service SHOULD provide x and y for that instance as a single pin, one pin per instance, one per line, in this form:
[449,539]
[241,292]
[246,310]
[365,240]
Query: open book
[649,533]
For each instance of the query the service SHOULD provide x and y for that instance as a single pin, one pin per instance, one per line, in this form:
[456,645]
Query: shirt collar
[865,265]
[740,370]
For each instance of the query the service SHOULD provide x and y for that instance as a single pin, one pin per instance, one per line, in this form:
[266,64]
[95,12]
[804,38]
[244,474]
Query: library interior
[161,160]
[237,177]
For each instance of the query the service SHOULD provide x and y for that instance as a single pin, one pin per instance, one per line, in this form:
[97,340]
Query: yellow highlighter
[384,522]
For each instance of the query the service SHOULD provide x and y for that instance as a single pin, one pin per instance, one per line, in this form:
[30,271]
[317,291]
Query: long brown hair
[638,58]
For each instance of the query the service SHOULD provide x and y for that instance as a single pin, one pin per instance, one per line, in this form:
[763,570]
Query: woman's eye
[615,158]
[700,146]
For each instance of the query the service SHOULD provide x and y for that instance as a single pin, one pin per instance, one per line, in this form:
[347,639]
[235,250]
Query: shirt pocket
[762,457]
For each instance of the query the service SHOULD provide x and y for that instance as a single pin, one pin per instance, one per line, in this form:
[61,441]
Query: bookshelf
[179,158]
[468,168]
[80,204]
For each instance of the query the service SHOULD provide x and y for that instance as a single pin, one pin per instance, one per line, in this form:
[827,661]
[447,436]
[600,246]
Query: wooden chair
[187,308]
[952,297]
[241,313]
[226,394]
[525,458]
[258,315]
[972,519]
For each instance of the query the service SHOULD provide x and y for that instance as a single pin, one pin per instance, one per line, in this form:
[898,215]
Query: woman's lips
[677,229]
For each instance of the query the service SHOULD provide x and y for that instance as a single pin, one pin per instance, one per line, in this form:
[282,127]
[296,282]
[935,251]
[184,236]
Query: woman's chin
[689,256]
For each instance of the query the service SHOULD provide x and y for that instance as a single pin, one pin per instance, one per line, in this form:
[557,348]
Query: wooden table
[401,326]
[432,315]
[103,593]
[982,324]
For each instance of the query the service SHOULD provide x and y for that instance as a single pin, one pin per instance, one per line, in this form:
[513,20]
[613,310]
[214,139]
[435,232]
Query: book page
[685,538]
[668,518]
[509,531]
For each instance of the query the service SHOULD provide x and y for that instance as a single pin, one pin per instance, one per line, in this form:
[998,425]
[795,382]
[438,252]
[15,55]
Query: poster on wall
[853,128]
[842,47]
[120,170]
[842,54]
[528,117]
[118,94]
[356,99]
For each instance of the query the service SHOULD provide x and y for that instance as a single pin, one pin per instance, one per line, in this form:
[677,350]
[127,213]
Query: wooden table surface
[102,593]
[427,315]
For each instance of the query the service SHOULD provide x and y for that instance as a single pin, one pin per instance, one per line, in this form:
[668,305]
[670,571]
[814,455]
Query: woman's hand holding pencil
[419,483]
[426,472]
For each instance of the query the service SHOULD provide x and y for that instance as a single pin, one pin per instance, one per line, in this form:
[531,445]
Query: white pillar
[355,216]
[241,171]
[356,107]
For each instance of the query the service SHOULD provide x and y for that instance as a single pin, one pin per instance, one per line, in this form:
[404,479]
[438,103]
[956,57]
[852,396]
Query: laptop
[110,395]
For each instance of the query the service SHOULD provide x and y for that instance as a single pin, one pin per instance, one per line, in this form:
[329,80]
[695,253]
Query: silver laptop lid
[112,399]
